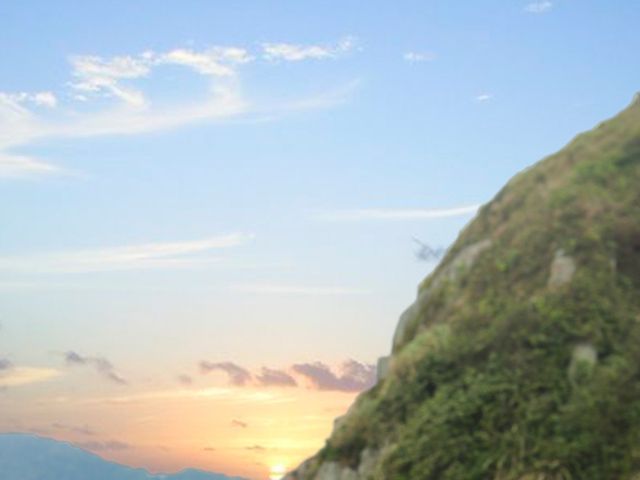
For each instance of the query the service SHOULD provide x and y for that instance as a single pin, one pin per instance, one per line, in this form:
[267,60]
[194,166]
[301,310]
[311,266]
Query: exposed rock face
[449,273]
[520,358]
[562,269]
[383,367]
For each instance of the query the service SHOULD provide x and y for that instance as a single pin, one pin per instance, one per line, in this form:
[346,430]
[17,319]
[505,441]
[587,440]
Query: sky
[209,208]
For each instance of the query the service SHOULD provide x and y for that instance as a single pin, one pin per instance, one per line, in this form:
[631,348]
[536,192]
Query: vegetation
[488,383]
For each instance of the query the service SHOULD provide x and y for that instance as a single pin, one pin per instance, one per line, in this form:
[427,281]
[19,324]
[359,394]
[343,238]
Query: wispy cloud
[20,127]
[419,57]
[80,429]
[120,78]
[238,375]
[103,366]
[283,289]
[483,97]
[363,214]
[215,61]
[354,376]
[238,423]
[16,376]
[231,395]
[185,380]
[40,99]
[132,257]
[106,446]
[270,377]
[96,75]
[292,52]
[539,7]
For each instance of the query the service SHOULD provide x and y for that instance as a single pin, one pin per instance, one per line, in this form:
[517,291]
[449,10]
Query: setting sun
[276,472]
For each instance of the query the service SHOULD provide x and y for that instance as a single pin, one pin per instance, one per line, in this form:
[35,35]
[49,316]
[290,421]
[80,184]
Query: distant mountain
[29,457]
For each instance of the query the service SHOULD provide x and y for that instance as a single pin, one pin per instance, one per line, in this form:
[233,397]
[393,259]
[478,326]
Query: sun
[276,472]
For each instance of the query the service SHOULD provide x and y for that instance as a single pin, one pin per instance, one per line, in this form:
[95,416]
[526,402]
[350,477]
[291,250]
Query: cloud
[103,366]
[418,57]
[271,377]
[484,97]
[81,429]
[96,75]
[354,377]
[216,61]
[238,423]
[107,446]
[539,7]
[230,395]
[15,166]
[255,448]
[120,78]
[16,376]
[396,214]
[281,289]
[237,375]
[185,380]
[40,99]
[132,257]
[291,52]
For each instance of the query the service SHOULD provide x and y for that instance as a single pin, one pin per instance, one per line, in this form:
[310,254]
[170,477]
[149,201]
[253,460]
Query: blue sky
[241,181]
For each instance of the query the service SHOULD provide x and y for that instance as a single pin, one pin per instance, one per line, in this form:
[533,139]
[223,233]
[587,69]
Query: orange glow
[256,433]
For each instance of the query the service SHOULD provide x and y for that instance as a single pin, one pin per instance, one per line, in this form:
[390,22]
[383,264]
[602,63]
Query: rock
[334,471]
[583,354]
[383,367]
[562,269]
[368,461]
[461,262]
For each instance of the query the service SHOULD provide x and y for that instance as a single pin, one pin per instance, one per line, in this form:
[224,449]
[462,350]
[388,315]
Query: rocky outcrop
[450,272]
[562,269]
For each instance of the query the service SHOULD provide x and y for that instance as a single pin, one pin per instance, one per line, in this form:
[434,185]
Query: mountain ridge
[34,457]
[520,357]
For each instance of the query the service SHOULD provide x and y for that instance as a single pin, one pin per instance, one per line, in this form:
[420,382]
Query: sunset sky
[208,207]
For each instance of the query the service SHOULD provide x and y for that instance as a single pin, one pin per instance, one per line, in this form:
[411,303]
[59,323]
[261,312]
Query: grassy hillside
[521,356]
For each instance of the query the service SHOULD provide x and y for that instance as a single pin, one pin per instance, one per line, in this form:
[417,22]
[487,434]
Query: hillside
[520,358]
[28,457]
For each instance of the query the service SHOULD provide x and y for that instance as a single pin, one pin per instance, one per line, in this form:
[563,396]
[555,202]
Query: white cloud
[46,99]
[17,376]
[396,214]
[98,75]
[484,97]
[19,127]
[117,78]
[417,57]
[539,7]
[14,166]
[283,289]
[295,52]
[217,61]
[132,257]
[40,99]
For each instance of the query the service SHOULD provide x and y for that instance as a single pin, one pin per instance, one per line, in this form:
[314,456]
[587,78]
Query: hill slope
[520,358]
[27,457]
